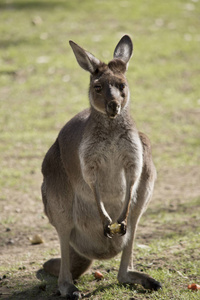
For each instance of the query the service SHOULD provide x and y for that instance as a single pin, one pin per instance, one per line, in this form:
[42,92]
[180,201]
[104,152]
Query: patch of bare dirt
[22,216]
[174,190]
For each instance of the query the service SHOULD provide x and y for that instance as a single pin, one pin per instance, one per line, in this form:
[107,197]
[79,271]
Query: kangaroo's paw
[122,228]
[143,279]
[107,227]
[69,291]
[117,228]
[107,232]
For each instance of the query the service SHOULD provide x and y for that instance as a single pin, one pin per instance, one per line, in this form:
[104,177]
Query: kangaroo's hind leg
[126,273]
[144,193]
[78,265]
[58,196]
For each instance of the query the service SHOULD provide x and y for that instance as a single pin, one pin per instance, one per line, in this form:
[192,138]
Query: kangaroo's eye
[98,88]
[121,86]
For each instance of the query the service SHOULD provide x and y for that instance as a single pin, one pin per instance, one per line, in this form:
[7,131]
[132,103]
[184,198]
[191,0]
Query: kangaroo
[98,177]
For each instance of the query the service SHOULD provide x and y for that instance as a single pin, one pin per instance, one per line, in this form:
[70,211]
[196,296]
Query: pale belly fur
[87,235]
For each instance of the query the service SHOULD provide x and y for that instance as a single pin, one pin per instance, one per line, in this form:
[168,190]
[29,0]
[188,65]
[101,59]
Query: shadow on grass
[129,287]
[47,289]
[38,5]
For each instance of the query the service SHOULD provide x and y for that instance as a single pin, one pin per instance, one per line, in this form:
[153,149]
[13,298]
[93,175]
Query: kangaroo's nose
[113,108]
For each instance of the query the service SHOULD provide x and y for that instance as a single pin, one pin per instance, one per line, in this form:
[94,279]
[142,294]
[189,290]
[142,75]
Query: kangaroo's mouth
[113,115]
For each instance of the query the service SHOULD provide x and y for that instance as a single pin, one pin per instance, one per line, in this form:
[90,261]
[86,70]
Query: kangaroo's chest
[106,150]
[106,154]
[102,161]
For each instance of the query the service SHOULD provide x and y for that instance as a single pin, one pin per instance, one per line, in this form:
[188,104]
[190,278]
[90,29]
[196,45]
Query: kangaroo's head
[108,92]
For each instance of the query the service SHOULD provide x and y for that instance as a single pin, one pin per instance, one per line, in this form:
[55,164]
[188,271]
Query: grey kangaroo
[98,177]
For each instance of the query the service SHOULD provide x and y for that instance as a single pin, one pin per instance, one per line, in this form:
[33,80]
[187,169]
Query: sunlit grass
[42,87]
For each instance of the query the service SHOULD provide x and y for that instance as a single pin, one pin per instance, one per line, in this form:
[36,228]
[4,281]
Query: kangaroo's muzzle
[113,109]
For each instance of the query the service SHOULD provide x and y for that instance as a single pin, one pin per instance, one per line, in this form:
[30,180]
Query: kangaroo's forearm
[106,219]
[124,215]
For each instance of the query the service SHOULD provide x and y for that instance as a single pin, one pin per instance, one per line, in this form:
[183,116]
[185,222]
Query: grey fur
[98,172]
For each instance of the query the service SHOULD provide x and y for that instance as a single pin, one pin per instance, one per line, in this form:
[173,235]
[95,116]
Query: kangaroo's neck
[122,120]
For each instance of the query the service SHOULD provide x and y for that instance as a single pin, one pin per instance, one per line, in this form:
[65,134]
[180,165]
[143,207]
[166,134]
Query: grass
[42,87]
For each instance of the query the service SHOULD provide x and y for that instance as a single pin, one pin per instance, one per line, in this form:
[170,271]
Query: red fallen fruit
[98,275]
[194,286]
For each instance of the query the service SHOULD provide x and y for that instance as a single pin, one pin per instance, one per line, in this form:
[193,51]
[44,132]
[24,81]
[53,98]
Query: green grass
[42,87]
[163,73]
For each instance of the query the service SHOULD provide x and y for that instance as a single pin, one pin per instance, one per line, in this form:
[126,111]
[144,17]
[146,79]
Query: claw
[107,232]
[122,228]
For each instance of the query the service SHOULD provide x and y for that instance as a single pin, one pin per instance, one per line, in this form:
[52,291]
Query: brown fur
[98,172]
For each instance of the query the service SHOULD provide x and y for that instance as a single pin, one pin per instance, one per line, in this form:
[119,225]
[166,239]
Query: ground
[170,216]
[42,87]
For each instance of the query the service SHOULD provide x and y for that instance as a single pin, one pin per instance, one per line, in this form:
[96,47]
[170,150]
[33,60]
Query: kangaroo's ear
[86,60]
[124,49]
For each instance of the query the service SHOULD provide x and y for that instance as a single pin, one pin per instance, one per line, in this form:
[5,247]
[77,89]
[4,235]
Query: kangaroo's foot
[69,291]
[145,280]
[78,265]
